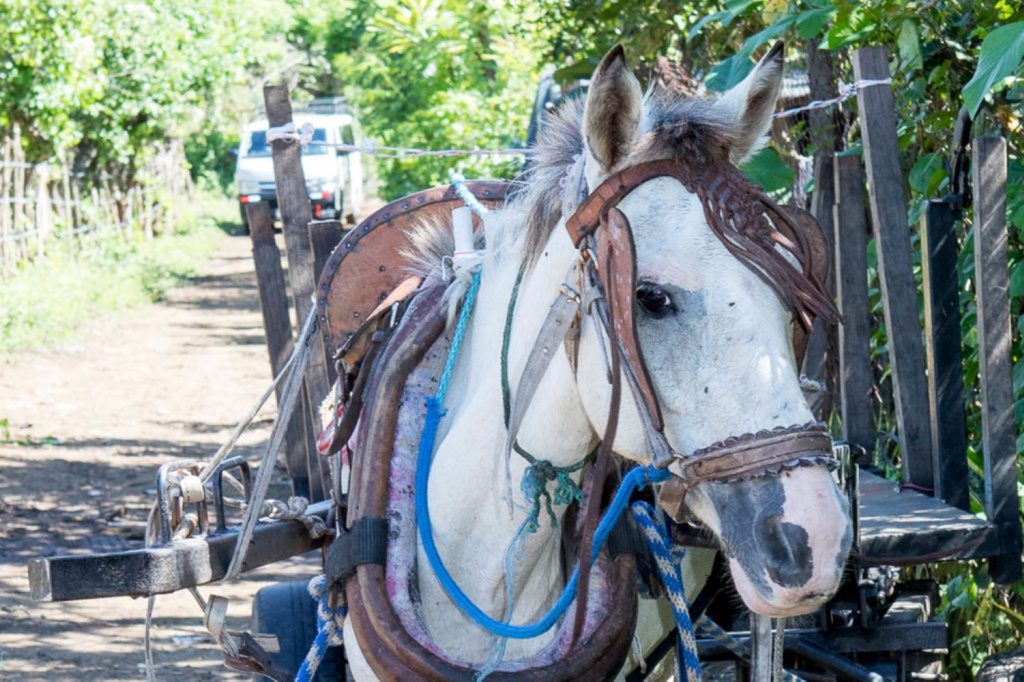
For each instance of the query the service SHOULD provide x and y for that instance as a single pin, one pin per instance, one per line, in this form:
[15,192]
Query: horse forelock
[689,129]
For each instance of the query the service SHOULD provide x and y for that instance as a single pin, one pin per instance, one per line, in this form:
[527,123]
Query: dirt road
[89,425]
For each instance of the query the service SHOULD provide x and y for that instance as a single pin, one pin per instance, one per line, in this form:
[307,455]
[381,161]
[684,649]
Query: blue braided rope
[460,332]
[670,570]
[329,625]
[468,198]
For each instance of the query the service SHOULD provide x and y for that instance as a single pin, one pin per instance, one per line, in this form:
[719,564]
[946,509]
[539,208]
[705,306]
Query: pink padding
[400,572]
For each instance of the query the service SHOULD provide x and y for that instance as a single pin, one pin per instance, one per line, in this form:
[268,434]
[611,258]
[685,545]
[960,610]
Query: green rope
[540,472]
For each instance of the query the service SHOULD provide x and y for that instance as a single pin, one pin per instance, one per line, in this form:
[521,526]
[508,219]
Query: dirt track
[92,422]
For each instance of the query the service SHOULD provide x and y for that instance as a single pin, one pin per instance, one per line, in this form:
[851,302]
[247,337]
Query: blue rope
[329,625]
[671,572]
[468,198]
[637,478]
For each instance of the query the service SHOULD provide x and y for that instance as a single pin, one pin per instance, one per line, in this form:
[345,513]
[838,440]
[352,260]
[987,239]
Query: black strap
[365,543]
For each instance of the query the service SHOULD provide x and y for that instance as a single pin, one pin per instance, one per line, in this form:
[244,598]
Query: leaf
[733,9]
[767,169]
[910,46]
[728,73]
[810,23]
[1017,281]
[580,69]
[1001,54]
[926,174]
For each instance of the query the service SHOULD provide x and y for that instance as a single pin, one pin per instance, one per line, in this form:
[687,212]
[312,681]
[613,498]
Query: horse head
[714,331]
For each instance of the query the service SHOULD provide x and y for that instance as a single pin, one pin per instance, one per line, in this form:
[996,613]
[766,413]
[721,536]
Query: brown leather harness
[761,234]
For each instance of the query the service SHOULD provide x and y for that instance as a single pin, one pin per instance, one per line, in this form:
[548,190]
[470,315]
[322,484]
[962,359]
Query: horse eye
[654,300]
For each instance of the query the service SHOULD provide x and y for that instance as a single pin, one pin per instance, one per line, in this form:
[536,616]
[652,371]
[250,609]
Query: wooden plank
[819,361]
[992,283]
[278,329]
[293,201]
[892,239]
[942,352]
[851,268]
[324,235]
[906,527]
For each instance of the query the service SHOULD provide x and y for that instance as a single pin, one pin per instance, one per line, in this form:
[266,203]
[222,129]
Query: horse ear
[751,103]
[612,116]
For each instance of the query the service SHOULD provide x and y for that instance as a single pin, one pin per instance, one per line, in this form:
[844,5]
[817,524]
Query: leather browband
[587,217]
[751,455]
[747,222]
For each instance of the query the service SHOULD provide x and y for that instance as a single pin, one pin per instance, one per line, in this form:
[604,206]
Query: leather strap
[595,500]
[618,280]
[754,456]
[365,543]
[553,331]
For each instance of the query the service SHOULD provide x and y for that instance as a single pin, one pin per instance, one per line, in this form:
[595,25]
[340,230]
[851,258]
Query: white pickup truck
[334,177]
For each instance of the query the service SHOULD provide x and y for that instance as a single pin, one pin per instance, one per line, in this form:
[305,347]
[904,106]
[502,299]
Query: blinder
[754,229]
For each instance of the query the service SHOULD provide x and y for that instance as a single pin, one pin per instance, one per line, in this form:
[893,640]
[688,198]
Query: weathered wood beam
[992,283]
[942,351]
[851,275]
[296,213]
[278,329]
[895,267]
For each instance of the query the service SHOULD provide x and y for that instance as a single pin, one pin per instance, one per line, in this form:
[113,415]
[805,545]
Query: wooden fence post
[851,276]
[293,200]
[278,328]
[324,235]
[823,341]
[895,268]
[942,352]
[992,282]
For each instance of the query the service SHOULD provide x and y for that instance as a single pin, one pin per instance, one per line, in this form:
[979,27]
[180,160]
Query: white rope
[304,134]
[846,91]
[288,397]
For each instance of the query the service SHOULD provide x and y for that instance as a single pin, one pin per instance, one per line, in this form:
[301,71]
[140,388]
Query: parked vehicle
[334,176]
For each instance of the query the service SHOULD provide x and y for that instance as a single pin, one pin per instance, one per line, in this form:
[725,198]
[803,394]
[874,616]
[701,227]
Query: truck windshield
[258,143]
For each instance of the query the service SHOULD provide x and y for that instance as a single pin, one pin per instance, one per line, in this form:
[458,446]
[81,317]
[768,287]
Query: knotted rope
[330,624]
[540,472]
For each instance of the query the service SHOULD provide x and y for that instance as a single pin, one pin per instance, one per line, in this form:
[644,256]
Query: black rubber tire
[287,610]
[245,221]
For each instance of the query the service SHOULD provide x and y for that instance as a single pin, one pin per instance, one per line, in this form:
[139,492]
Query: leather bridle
[758,232]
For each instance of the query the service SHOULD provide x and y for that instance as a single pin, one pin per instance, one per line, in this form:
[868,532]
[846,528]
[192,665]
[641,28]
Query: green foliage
[434,74]
[1001,55]
[767,169]
[112,82]
[46,302]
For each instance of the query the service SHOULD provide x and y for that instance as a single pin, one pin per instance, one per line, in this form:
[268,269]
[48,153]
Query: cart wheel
[287,610]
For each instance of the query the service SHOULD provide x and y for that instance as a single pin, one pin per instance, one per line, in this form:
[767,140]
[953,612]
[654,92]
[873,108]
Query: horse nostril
[788,557]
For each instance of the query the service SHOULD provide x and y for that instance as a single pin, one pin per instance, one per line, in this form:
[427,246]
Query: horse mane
[686,128]
[689,129]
